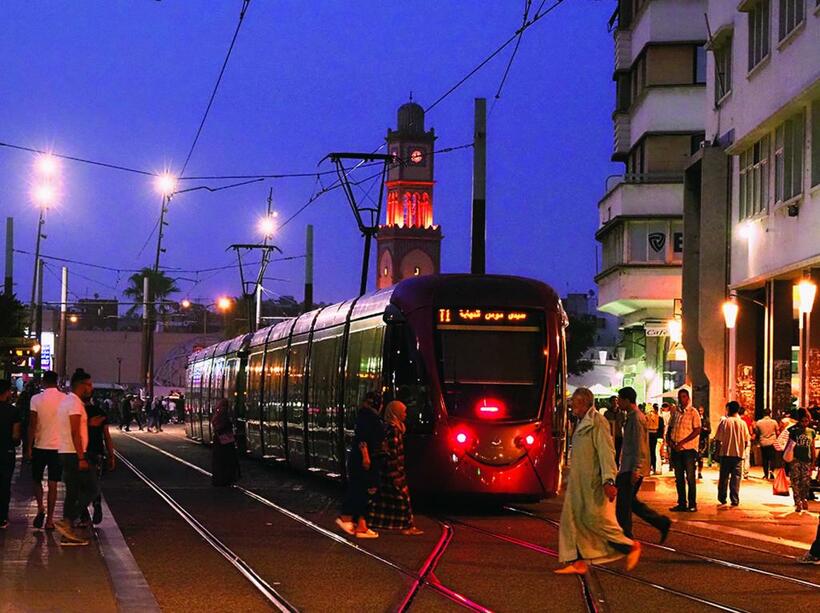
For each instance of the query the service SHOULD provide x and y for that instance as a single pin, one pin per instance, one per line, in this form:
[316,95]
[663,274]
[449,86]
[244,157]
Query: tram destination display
[482,316]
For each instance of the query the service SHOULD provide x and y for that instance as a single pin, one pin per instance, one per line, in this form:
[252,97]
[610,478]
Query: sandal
[368,534]
[413,531]
[346,526]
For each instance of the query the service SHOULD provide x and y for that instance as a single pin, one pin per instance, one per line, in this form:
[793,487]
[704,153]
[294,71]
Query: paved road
[281,528]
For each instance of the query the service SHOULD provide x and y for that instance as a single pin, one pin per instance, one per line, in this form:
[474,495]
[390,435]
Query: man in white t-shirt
[43,447]
[79,477]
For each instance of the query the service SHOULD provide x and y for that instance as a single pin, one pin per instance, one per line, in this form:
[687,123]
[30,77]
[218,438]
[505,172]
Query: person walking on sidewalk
[100,451]
[588,529]
[633,468]
[767,431]
[683,436]
[801,440]
[43,445]
[703,440]
[653,425]
[10,433]
[748,419]
[79,478]
[733,436]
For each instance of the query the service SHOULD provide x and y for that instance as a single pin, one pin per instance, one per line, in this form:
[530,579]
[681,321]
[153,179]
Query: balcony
[674,108]
[647,194]
[621,144]
[626,289]
[623,49]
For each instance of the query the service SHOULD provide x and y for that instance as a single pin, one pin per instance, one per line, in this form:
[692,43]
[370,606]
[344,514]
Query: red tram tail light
[461,437]
[525,442]
[529,440]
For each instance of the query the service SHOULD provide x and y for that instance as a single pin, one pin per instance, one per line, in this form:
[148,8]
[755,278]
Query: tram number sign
[475,316]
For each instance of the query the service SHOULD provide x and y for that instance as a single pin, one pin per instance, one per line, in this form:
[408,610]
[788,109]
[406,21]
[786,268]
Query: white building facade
[753,209]
[660,75]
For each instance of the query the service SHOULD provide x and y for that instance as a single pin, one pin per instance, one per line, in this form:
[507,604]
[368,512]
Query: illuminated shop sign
[478,316]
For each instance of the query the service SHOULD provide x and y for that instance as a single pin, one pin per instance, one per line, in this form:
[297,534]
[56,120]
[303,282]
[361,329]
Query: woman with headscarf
[589,530]
[225,470]
[390,507]
[363,465]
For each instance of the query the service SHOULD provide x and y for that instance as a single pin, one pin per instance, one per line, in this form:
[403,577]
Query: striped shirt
[683,423]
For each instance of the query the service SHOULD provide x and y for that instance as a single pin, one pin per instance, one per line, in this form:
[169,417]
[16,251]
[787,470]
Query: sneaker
[678,508]
[67,542]
[97,517]
[39,519]
[693,509]
[809,559]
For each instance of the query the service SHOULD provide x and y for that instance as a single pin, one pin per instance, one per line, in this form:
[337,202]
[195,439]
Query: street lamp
[806,292]
[675,329]
[730,309]
[224,303]
[185,303]
[267,226]
[47,165]
[165,184]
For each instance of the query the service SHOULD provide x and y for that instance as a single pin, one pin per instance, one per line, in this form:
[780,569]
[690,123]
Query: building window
[792,13]
[815,139]
[700,64]
[723,69]
[754,179]
[613,249]
[788,157]
[649,242]
[758,33]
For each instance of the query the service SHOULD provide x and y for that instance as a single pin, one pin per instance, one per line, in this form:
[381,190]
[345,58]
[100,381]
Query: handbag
[780,486]
[782,440]
[788,452]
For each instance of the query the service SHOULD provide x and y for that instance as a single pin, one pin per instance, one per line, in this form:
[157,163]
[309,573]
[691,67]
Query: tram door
[273,403]
[295,404]
[253,404]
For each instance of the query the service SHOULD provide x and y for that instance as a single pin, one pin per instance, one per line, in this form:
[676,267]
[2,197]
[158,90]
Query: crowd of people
[615,448]
[65,437]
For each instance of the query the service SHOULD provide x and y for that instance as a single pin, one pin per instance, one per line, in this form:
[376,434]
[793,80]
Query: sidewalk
[38,574]
[761,516]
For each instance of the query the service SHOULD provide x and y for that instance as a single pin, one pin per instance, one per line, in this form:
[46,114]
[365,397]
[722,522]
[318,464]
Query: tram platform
[761,515]
[39,574]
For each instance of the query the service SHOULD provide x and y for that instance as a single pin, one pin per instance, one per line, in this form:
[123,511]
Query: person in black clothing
[10,436]
[100,452]
[363,468]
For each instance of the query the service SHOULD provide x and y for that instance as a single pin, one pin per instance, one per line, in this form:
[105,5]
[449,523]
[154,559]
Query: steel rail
[554,554]
[696,556]
[268,591]
[452,595]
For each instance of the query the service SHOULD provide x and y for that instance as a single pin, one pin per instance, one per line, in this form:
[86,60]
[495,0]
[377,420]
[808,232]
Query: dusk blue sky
[127,82]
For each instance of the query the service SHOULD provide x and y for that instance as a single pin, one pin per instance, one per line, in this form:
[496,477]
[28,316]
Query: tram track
[535,547]
[276,599]
[421,579]
[693,555]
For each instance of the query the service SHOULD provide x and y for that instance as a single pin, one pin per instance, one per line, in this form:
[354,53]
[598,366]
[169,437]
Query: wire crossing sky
[301,82]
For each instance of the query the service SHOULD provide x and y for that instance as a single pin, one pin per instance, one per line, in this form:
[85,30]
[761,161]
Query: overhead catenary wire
[242,12]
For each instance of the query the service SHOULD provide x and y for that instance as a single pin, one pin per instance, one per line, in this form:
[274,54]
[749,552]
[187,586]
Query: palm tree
[161,286]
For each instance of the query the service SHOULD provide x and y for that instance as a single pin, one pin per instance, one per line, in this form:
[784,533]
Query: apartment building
[660,74]
[752,210]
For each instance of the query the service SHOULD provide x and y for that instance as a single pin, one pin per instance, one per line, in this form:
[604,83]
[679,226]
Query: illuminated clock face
[416,156]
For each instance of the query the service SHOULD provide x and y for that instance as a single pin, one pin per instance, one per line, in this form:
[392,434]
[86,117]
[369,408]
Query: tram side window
[364,365]
[274,375]
[408,380]
[324,366]
[296,379]
[253,386]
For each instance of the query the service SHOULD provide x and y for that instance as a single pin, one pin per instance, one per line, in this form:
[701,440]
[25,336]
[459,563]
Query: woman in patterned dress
[390,507]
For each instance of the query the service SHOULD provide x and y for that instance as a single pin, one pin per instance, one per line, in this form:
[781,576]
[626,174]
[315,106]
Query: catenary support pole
[40,222]
[479,217]
[8,284]
[144,366]
[308,268]
[62,356]
[38,320]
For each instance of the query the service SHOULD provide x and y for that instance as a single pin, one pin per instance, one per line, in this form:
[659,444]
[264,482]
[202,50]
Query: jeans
[683,463]
[7,461]
[627,503]
[767,455]
[81,486]
[653,451]
[729,475]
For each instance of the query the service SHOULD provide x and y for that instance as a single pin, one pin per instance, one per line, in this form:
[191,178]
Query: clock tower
[408,242]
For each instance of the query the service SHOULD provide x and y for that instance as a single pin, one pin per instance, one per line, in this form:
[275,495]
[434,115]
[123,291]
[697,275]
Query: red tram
[478,360]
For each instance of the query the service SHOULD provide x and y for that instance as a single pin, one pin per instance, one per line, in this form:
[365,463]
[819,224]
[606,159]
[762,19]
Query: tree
[580,337]
[12,316]
[160,285]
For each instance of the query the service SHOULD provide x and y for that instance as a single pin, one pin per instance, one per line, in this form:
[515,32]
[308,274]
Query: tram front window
[492,372]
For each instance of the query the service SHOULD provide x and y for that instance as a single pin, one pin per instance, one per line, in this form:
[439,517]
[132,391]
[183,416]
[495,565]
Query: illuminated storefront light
[806,292]
[730,310]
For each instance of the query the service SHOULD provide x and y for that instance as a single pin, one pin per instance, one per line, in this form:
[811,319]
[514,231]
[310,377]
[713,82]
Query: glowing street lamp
[730,310]
[165,184]
[267,225]
[806,291]
[44,195]
[224,303]
[47,165]
[185,303]
[675,329]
